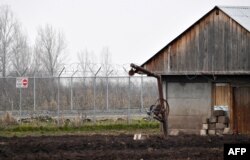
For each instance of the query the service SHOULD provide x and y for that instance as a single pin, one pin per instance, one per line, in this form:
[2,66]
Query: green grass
[100,127]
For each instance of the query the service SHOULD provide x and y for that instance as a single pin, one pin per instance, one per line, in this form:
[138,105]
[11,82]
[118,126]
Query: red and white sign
[22,82]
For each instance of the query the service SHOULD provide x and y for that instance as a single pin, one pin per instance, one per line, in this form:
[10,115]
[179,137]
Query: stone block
[218,113]
[223,119]
[227,131]
[211,132]
[213,119]
[205,120]
[220,126]
[174,132]
[212,126]
[204,126]
[140,137]
[203,132]
[219,131]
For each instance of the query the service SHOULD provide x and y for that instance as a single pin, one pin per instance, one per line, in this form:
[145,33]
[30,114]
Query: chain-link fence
[92,97]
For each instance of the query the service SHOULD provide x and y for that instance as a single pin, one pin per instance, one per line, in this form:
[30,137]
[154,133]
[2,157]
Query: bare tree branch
[8,28]
[49,48]
[106,61]
[21,53]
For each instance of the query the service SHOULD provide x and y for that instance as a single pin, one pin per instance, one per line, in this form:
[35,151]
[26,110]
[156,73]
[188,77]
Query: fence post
[34,87]
[20,102]
[95,94]
[12,106]
[71,91]
[107,91]
[129,97]
[142,94]
[71,95]
[58,96]
[94,99]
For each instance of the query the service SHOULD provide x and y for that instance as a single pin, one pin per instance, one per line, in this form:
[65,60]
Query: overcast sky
[133,30]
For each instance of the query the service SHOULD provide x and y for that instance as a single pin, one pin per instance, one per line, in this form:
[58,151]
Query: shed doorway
[222,98]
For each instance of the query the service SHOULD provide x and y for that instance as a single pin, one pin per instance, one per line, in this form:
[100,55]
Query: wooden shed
[208,65]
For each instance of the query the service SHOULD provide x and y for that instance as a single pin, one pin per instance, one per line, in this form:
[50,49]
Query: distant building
[205,66]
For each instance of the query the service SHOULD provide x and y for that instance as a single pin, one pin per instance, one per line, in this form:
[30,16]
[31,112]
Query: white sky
[133,30]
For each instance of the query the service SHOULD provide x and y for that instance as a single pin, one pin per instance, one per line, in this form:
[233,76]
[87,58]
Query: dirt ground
[115,147]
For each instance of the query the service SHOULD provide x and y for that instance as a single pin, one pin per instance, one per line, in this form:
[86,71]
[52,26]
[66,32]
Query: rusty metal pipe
[164,111]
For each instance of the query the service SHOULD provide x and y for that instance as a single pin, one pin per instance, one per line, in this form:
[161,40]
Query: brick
[218,113]
[211,132]
[203,132]
[223,119]
[220,125]
[213,119]
[212,126]
[204,126]
[205,120]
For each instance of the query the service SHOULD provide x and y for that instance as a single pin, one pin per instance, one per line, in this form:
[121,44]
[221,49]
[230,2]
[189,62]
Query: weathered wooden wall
[216,43]
[241,109]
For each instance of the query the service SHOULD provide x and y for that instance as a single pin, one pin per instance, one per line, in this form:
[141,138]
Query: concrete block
[223,119]
[218,113]
[205,120]
[219,131]
[211,132]
[204,126]
[203,132]
[140,137]
[212,126]
[212,119]
[227,131]
[220,126]
[174,132]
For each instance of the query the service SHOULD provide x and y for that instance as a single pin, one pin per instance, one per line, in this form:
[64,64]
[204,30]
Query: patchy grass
[100,127]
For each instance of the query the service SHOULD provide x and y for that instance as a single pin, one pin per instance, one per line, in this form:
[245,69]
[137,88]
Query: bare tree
[8,26]
[84,61]
[21,53]
[106,62]
[50,48]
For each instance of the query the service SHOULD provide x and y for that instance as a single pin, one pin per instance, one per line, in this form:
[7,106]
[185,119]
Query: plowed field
[115,147]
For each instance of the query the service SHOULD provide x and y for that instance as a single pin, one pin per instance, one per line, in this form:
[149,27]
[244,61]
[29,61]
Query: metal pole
[142,94]
[107,94]
[95,94]
[94,99]
[71,95]
[58,96]
[34,93]
[129,97]
[20,103]
[12,106]
[71,90]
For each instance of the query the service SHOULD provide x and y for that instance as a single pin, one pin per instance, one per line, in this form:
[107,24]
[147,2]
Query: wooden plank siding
[221,95]
[216,43]
[242,109]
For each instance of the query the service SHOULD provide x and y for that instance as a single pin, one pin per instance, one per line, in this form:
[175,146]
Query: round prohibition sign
[25,82]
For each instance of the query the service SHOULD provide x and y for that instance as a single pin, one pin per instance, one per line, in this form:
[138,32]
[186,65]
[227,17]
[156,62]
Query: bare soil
[101,147]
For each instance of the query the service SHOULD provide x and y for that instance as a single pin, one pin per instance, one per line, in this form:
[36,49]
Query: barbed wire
[80,70]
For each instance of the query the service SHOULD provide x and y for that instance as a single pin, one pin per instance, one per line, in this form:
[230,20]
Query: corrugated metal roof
[239,14]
